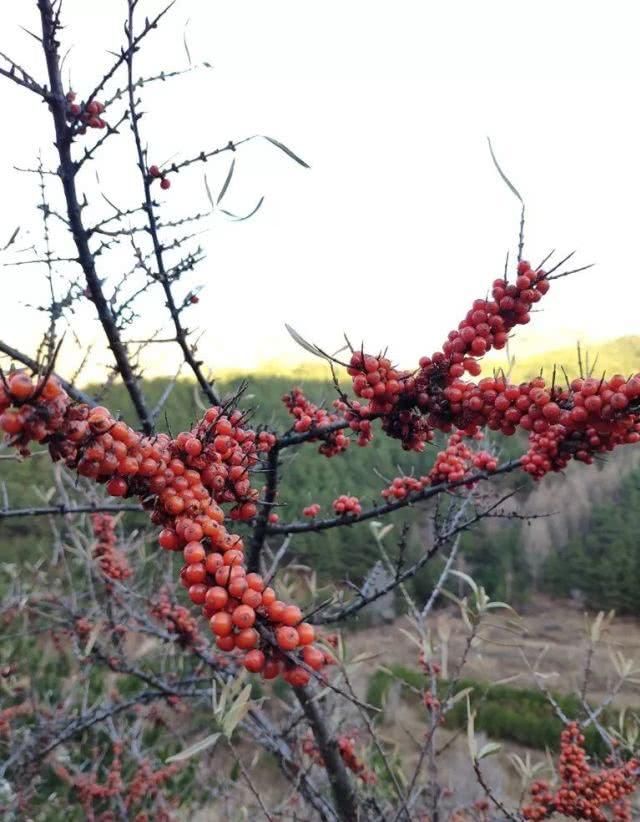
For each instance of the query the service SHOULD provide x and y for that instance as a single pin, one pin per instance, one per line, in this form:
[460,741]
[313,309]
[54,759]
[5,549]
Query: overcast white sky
[401,220]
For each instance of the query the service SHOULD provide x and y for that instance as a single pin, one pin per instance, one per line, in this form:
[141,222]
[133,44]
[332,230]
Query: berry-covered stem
[183,484]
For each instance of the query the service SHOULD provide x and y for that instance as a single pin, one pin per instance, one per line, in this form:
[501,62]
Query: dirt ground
[549,636]
[554,633]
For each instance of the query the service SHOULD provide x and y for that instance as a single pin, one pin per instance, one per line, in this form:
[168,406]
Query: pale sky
[402,220]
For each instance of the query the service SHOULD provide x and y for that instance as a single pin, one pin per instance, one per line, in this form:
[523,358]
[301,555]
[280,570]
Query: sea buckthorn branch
[583,792]
[438,707]
[101,448]
[182,483]
[112,561]
[248,781]
[490,793]
[133,45]
[120,214]
[131,792]
[587,417]
[314,433]
[55,308]
[109,131]
[311,418]
[53,737]
[205,156]
[188,352]
[141,82]
[426,493]
[21,77]
[36,368]
[352,761]
[58,104]
[341,786]
[64,509]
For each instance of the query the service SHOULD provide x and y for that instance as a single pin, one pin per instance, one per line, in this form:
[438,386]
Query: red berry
[287,638]
[254,661]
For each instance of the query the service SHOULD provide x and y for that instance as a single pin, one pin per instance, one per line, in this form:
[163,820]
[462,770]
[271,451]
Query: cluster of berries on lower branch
[111,560]
[583,792]
[453,464]
[144,783]
[347,748]
[183,484]
[309,417]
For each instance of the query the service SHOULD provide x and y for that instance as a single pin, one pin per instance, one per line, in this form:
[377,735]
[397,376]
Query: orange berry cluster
[88,115]
[182,482]
[233,624]
[375,380]
[346,747]
[452,464]
[431,702]
[587,417]
[347,506]
[11,713]
[590,417]
[584,793]
[359,416]
[308,416]
[146,782]
[311,510]
[401,487]
[430,667]
[412,404]
[112,562]
[82,627]
[176,619]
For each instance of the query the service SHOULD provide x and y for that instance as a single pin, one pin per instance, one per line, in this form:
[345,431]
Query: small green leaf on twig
[286,150]
[225,185]
[488,749]
[502,174]
[196,748]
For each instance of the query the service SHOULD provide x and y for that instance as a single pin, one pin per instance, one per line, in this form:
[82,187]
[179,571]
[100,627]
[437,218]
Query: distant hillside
[620,355]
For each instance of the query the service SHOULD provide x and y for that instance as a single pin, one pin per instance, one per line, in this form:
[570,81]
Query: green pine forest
[597,555]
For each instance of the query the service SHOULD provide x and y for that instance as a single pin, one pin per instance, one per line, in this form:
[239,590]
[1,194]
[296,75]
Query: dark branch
[64,509]
[162,276]
[387,507]
[341,787]
[262,520]
[67,172]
